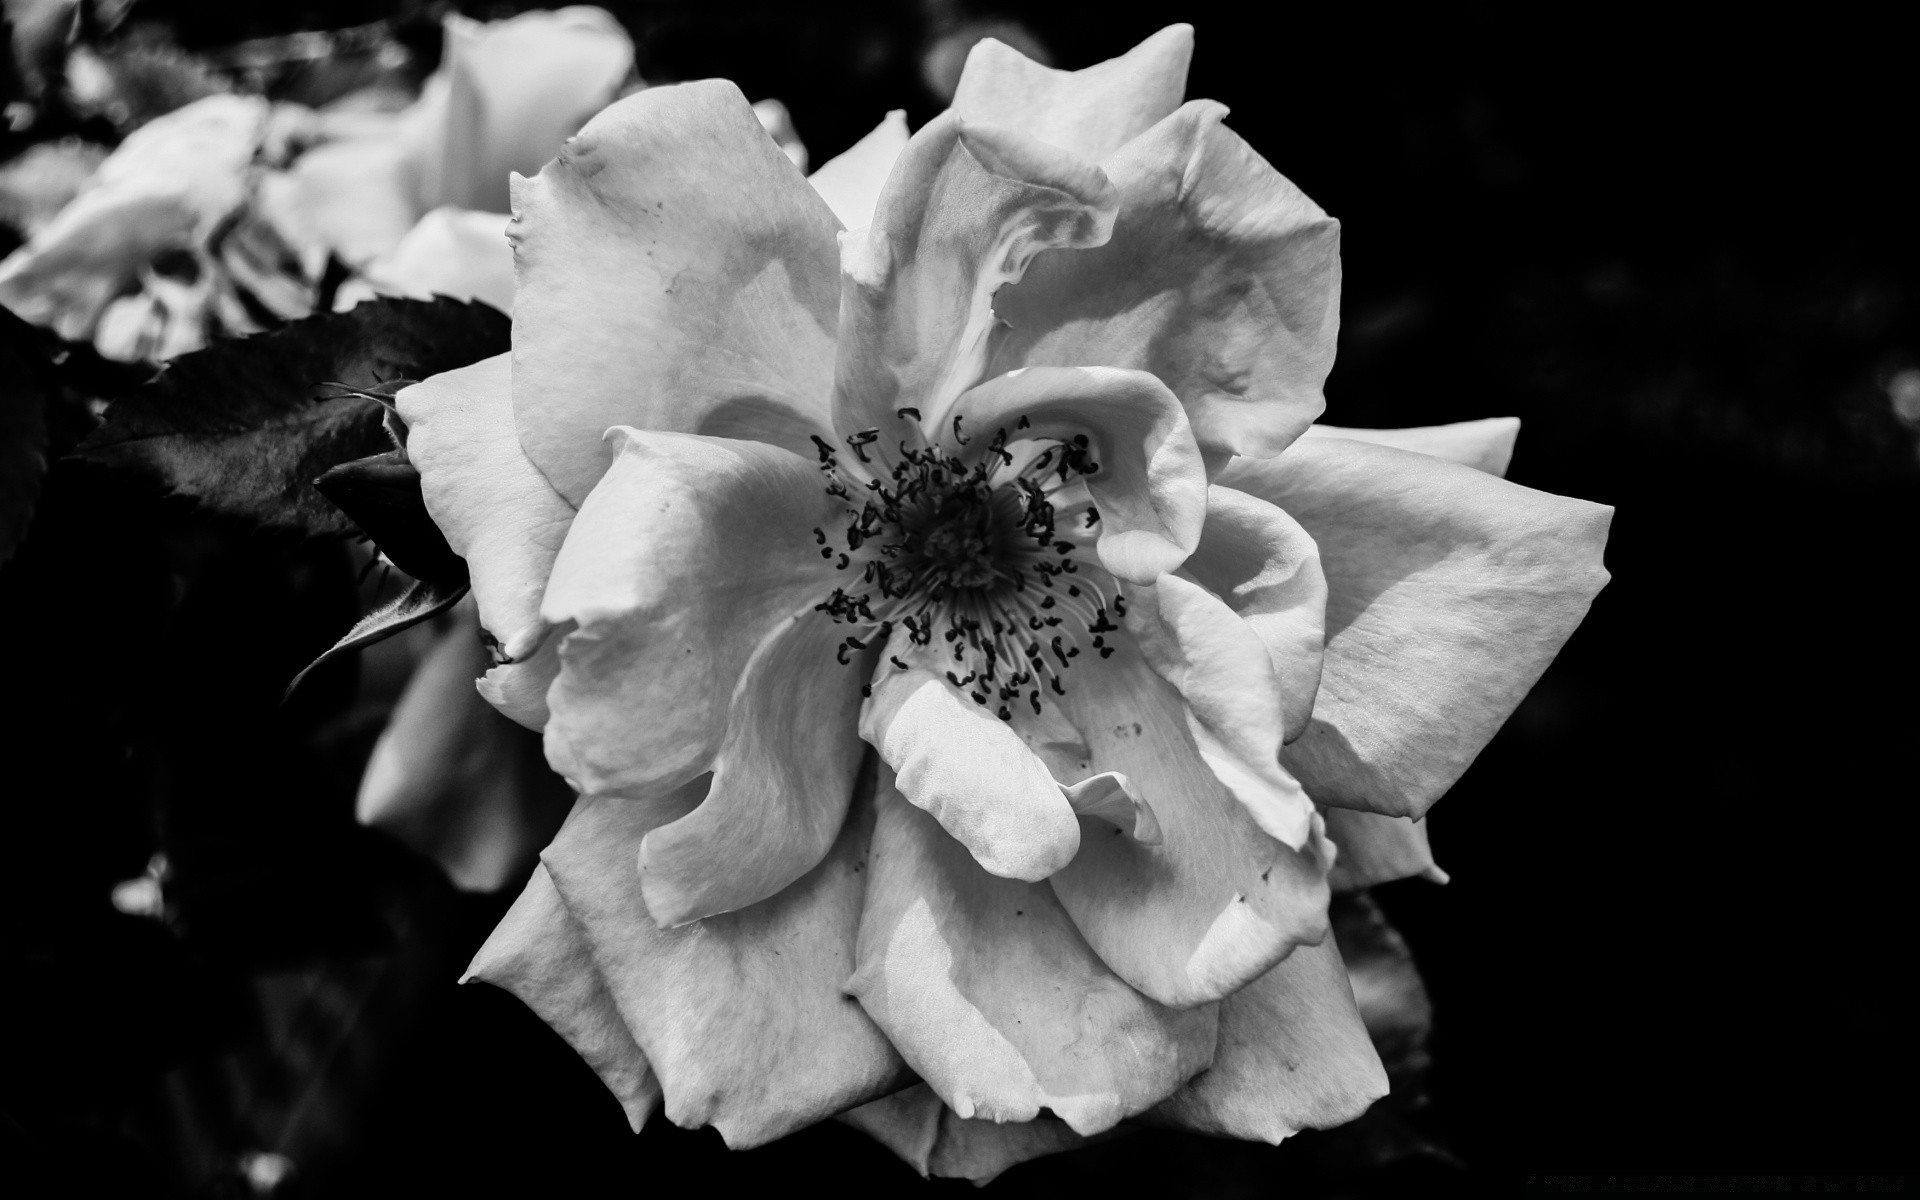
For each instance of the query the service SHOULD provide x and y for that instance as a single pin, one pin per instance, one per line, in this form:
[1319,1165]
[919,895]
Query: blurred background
[1679,248]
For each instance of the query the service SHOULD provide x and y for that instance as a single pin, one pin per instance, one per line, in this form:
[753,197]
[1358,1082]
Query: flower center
[987,558]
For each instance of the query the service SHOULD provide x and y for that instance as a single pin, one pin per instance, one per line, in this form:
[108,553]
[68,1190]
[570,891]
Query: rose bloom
[974,666]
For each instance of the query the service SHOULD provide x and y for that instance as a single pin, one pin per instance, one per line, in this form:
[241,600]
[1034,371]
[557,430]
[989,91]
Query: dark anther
[895,660]
[866,689]
[1023,423]
[911,413]
[962,438]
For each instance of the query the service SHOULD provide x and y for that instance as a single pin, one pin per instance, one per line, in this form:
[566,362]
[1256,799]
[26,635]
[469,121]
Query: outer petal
[1221,277]
[850,182]
[964,212]
[519,689]
[356,198]
[497,511]
[781,781]
[970,771]
[516,90]
[1267,569]
[742,1016]
[1151,487]
[1212,658]
[1091,112]
[455,780]
[1378,849]
[1293,1055]
[1485,445]
[993,997]
[538,953]
[675,272]
[1217,902]
[1449,593]
[688,552]
[449,252]
[934,1140]
[1386,988]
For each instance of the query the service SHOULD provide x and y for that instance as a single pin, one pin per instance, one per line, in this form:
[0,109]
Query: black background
[1679,249]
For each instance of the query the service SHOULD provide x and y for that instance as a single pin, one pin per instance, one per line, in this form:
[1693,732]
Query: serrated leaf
[381,494]
[421,601]
[237,426]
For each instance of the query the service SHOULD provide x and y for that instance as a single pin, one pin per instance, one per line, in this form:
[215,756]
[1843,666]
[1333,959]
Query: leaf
[237,426]
[382,496]
[420,602]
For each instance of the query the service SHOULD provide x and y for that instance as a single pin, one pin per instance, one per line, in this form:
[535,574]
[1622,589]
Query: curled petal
[449,252]
[1221,278]
[538,953]
[1267,569]
[497,511]
[741,1015]
[993,997]
[1485,445]
[1449,592]
[1293,1055]
[1217,902]
[936,1141]
[1212,658]
[781,781]
[966,208]
[1111,798]
[519,689]
[850,182]
[509,94]
[970,771]
[1093,111]
[1151,487]
[685,555]
[454,780]
[674,269]
[1378,849]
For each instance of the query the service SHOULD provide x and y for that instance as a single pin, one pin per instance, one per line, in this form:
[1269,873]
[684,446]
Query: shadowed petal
[1485,445]
[1449,592]
[1217,902]
[1378,849]
[938,1142]
[1264,566]
[1212,658]
[674,268]
[450,252]
[1293,1055]
[685,555]
[850,182]
[1221,278]
[969,770]
[1093,111]
[538,953]
[993,997]
[497,511]
[1151,487]
[781,781]
[519,689]
[742,1016]
[966,209]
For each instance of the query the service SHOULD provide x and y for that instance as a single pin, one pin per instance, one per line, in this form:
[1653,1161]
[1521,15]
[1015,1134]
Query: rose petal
[1449,593]
[1387,988]
[355,199]
[674,269]
[685,555]
[993,997]
[519,689]
[1293,1055]
[515,91]
[449,252]
[966,208]
[742,1015]
[969,770]
[454,780]
[497,511]
[1091,112]
[1378,849]
[1217,902]
[850,182]
[538,953]
[1221,278]
[1151,487]
[1267,569]
[781,781]
[1212,658]
[936,1141]
[1485,445]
